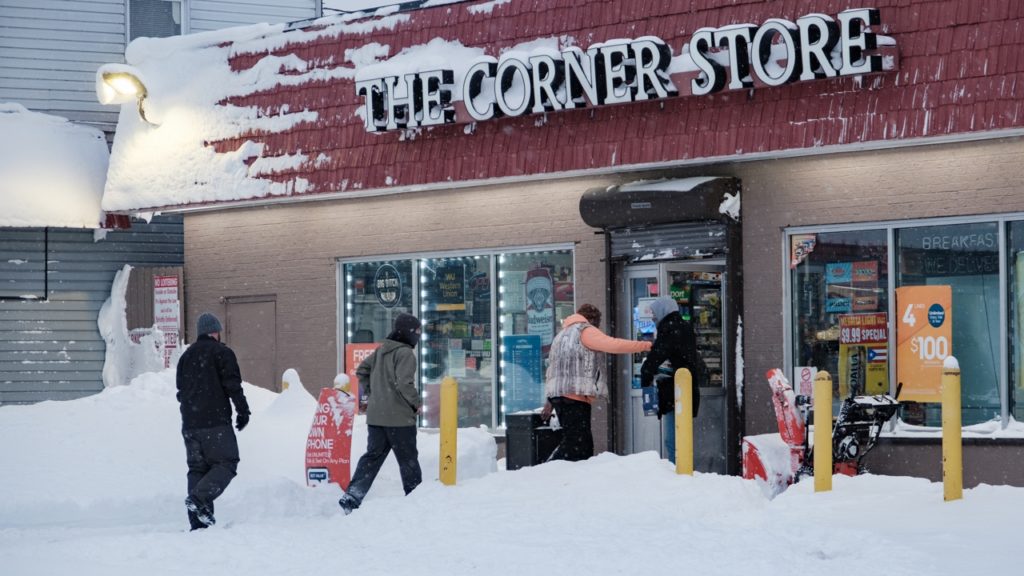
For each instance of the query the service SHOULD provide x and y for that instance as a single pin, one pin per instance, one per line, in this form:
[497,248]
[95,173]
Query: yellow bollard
[684,421]
[822,432]
[449,430]
[952,443]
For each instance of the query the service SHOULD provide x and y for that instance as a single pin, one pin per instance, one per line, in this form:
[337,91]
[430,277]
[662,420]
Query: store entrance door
[700,291]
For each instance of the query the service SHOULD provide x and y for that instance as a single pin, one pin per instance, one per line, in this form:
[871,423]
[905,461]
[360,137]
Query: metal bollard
[822,432]
[684,421]
[449,431]
[952,441]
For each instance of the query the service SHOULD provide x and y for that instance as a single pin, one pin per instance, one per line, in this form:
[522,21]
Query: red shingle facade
[960,71]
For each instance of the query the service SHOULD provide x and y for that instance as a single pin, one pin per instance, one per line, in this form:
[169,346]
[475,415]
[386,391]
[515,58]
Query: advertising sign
[540,309]
[924,334]
[451,288]
[354,355]
[167,313]
[524,380]
[329,444]
[863,354]
[803,376]
[387,286]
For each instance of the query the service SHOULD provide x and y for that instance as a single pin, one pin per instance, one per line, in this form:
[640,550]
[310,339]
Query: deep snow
[95,486]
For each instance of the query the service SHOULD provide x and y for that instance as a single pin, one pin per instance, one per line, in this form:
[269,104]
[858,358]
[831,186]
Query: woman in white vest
[574,378]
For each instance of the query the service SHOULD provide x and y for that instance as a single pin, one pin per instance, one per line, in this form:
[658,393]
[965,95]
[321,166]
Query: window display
[457,298]
[840,306]
[964,257]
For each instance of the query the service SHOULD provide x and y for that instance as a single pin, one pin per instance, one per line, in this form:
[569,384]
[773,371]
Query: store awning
[649,202]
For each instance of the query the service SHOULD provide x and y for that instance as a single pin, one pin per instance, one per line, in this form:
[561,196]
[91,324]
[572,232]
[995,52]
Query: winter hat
[208,324]
[407,329]
[663,306]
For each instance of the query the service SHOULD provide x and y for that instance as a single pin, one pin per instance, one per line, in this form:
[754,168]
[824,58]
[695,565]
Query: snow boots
[202,512]
[348,504]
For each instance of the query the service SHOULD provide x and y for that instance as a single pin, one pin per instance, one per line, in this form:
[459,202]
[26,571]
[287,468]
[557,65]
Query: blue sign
[936,315]
[523,372]
[839,272]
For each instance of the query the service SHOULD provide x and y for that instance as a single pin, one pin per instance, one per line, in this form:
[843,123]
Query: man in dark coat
[208,382]
[676,343]
[388,379]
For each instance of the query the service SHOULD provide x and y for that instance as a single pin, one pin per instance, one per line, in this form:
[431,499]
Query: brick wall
[290,251]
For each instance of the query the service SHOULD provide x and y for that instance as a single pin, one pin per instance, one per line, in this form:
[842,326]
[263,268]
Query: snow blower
[784,458]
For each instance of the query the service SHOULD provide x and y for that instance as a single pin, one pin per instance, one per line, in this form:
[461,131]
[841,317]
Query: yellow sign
[924,333]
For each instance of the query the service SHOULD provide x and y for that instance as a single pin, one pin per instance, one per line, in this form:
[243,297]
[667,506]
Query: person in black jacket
[676,343]
[208,377]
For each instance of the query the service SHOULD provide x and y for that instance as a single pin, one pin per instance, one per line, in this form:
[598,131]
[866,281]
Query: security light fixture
[119,84]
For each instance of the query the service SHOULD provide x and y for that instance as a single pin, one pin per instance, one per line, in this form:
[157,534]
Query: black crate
[528,441]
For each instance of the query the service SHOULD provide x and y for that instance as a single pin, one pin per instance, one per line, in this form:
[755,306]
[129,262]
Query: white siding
[50,49]
[213,14]
[49,52]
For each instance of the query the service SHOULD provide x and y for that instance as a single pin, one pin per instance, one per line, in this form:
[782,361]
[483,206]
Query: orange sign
[329,444]
[354,355]
[924,334]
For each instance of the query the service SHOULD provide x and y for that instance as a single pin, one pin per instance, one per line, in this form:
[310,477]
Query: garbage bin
[528,441]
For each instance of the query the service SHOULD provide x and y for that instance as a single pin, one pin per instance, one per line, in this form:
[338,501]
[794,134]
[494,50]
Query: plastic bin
[528,441]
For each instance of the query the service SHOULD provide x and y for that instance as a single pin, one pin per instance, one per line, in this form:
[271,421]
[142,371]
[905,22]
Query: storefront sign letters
[734,57]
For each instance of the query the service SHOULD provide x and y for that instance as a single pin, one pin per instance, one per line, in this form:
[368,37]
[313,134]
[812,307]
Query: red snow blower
[784,458]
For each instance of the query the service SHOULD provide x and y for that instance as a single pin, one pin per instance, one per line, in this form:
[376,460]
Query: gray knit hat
[208,324]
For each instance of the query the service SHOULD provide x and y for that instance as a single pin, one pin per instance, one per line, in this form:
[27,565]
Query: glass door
[641,283]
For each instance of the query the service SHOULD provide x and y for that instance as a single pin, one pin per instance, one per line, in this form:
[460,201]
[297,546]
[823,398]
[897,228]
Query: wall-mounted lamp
[120,83]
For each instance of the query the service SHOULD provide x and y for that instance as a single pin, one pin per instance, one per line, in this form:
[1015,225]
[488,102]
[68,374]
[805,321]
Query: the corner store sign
[734,57]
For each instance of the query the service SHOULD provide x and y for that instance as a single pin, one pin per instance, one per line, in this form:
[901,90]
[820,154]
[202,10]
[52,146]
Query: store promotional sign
[924,333]
[387,286]
[451,288]
[329,444]
[523,373]
[540,309]
[354,356]
[167,313]
[734,57]
[863,354]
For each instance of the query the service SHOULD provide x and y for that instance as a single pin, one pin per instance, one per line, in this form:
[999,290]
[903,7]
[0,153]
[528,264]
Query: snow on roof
[194,103]
[51,170]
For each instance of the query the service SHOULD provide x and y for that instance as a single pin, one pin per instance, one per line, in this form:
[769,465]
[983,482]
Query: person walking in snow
[209,380]
[387,378]
[676,343]
[574,378]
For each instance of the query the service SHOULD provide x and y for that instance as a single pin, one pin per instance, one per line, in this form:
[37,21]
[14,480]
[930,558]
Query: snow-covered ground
[95,486]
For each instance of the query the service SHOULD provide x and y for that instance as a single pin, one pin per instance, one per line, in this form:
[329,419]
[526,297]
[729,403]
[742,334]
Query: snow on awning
[51,170]
[648,202]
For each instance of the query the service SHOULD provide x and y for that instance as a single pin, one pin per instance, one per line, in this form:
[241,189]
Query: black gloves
[241,420]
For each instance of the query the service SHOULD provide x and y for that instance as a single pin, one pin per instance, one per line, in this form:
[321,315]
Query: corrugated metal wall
[51,349]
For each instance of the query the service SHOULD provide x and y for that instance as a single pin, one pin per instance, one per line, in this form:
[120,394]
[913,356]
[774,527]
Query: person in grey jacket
[388,379]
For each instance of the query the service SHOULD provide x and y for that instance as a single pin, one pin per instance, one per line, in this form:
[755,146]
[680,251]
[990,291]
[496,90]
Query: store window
[535,294]
[840,308]
[458,298]
[456,314]
[1015,274]
[964,257]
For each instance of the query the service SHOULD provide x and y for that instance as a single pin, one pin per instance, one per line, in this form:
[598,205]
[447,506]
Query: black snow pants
[574,418]
[212,456]
[381,440]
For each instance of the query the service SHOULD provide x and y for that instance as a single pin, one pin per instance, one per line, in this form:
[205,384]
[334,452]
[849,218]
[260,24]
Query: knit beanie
[208,324]
[406,330]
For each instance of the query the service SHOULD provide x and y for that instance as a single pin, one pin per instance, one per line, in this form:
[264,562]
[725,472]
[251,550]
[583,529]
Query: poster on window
[167,313]
[863,354]
[451,288]
[523,366]
[514,296]
[354,356]
[540,308]
[924,335]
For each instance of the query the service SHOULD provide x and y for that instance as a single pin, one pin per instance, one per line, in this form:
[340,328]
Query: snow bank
[125,359]
[95,487]
[51,170]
